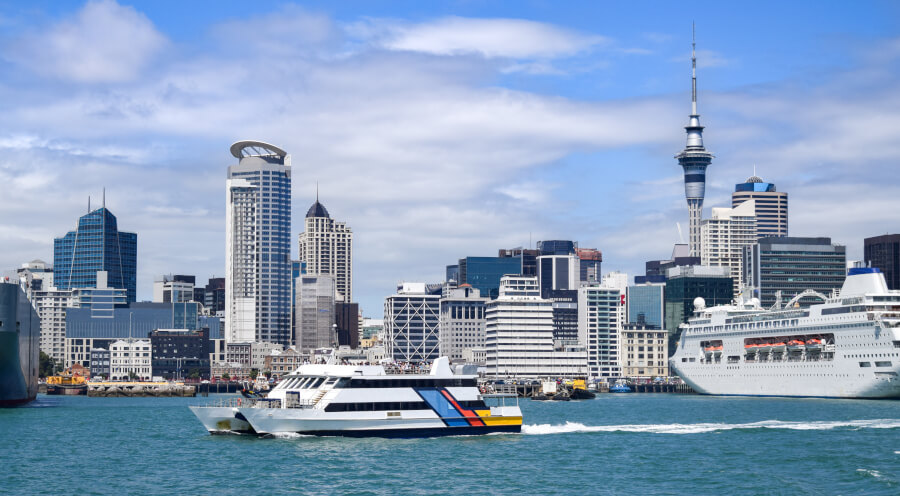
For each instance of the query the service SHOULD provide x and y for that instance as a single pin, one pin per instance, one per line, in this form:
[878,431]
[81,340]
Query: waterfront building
[173,288]
[96,245]
[645,352]
[694,159]
[519,335]
[527,259]
[100,363]
[792,265]
[589,264]
[461,321]
[412,323]
[314,311]
[326,247]
[35,275]
[599,326]
[771,206]
[280,363]
[646,305]
[475,356]
[684,284]
[724,236]
[257,245]
[130,358]
[484,273]
[883,252]
[346,322]
[178,353]
[51,304]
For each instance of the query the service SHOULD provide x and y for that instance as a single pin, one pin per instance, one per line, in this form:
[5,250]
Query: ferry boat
[846,347]
[367,400]
[20,335]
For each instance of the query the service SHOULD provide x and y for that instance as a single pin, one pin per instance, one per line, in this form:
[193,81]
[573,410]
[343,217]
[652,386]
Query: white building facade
[314,311]
[257,245]
[327,248]
[130,356]
[599,327]
[519,335]
[412,324]
[723,237]
[462,322]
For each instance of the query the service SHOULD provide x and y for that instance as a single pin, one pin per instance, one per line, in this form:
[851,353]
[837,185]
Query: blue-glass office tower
[96,245]
[646,305]
[484,273]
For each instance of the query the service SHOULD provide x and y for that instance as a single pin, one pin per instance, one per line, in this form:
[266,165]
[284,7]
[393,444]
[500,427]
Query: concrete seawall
[138,389]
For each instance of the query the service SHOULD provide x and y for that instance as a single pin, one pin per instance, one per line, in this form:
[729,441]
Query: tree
[46,365]
[254,373]
[131,375]
[226,377]
[194,374]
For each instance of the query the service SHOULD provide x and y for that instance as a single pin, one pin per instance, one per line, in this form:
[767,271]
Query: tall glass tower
[257,245]
[694,159]
[96,245]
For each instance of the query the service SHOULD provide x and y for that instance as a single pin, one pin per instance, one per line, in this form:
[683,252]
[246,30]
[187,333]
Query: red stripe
[470,416]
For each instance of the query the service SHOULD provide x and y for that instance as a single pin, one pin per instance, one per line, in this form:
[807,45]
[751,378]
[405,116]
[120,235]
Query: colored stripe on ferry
[471,416]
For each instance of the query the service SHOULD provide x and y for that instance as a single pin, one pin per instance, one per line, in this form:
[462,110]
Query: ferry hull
[19,347]
[222,420]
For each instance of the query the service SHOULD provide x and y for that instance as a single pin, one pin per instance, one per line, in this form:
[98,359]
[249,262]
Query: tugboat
[69,383]
[580,392]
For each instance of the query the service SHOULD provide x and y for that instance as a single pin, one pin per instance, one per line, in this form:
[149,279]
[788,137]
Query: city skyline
[443,133]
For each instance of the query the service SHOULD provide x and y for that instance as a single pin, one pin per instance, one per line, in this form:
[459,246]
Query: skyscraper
[694,159]
[724,236]
[314,310]
[793,265]
[412,323]
[883,252]
[326,246]
[96,245]
[771,206]
[257,245]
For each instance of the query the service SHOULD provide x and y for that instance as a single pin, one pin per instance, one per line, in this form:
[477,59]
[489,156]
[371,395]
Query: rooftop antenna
[104,197]
[317,191]
[89,203]
[754,169]
[680,234]
[693,69]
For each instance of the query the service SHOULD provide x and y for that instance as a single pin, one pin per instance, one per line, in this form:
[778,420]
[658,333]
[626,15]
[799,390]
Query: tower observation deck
[694,159]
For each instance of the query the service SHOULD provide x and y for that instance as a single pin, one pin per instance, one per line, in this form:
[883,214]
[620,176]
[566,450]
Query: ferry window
[865,364]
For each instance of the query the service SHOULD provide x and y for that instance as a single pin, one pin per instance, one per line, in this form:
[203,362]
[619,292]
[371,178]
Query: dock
[139,389]
[531,390]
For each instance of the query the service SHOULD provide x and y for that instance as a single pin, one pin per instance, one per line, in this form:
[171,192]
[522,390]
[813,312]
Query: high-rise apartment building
[519,335]
[35,275]
[314,311]
[599,327]
[326,247]
[412,323]
[771,206]
[694,159]
[792,265]
[724,236]
[50,305]
[96,245]
[461,321]
[883,252]
[257,245]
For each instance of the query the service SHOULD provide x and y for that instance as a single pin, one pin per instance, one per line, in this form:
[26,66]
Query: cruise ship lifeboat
[796,345]
[764,347]
[751,347]
[814,344]
[779,346]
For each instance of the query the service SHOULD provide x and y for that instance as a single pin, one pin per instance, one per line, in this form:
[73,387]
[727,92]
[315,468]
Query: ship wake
[701,428]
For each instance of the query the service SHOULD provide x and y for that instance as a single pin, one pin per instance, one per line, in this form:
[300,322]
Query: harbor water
[615,444]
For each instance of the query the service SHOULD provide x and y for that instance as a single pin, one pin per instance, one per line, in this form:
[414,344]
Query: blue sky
[440,130]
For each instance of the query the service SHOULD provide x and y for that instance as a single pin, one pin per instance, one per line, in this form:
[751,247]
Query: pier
[139,389]
[531,390]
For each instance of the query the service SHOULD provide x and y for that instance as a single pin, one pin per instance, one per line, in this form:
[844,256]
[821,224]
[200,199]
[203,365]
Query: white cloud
[510,38]
[104,42]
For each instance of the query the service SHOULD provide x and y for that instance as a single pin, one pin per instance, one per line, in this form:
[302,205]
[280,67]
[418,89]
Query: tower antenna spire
[104,197]
[693,69]
[317,191]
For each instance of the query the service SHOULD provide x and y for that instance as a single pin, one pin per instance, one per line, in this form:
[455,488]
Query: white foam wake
[711,427]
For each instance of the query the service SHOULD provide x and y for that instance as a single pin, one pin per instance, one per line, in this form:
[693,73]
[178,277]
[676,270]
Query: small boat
[582,394]
[778,347]
[560,397]
[814,344]
[540,397]
[764,347]
[620,387]
[796,345]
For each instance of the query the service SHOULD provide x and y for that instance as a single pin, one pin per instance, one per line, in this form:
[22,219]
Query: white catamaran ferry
[846,347]
[367,400]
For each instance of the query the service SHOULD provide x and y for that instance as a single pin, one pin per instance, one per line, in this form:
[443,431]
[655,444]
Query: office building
[646,305]
[173,288]
[655,270]
[412,323]
[724,236]
[213,296]
[589,263]
[694,160]
[346,321]
[556,247]
[257,245]
[100,363]
[96,245]
[565,315]
[557,272]
[683,284]
[314,311]
[326,247]
[645,352]
[461,321]
[452,274]
[179,353]
[484,273]
[527,259]
[883,252]
[599,326]
[790,265]
[519,335]
[130,359]
[771,206]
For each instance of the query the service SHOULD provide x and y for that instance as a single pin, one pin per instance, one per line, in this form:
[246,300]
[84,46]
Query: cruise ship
[367,400]
[846,347]
[20,340]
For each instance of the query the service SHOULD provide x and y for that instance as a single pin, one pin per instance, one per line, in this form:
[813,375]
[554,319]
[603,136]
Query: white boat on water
[368,400]
[846,347]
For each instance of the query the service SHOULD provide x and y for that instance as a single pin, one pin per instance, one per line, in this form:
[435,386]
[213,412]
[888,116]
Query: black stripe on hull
[417,433]
[12,403]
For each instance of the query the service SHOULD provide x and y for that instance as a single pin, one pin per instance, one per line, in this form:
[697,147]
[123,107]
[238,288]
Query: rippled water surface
[616,444]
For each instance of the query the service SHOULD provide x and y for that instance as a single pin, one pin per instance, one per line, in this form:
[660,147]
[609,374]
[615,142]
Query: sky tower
[694,159]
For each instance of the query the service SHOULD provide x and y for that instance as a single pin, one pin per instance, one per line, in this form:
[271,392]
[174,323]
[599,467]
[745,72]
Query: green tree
[46,365]
[254,373]
[226,377]
[195,373]
[131,375]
